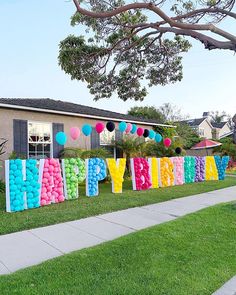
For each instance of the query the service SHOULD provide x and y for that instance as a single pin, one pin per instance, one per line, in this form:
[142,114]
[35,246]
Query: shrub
[84,154]
[70,153]
[14,156]
[2,145]
[2,187]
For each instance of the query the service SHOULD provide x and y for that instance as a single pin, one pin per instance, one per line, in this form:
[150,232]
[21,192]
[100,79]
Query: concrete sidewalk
[228,288]
[27,248]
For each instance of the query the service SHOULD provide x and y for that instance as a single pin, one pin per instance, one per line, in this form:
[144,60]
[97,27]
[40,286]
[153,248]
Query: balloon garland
[123,127]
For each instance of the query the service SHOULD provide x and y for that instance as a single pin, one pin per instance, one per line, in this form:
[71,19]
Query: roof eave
[80,115]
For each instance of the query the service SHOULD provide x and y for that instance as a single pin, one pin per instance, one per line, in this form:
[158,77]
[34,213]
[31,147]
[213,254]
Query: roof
[227,134]
[69,108]
[218,125]
[205,144]
[193,122]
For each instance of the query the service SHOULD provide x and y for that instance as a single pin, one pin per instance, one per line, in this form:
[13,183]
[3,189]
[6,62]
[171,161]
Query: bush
[70,153]
[14,156]
[85,154]
[228,148]
[153,149]
[2,187]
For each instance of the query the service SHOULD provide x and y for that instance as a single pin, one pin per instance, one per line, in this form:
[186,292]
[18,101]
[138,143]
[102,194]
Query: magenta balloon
[128,128]
[140,131]
[167,142]
[99,127]
[74,133]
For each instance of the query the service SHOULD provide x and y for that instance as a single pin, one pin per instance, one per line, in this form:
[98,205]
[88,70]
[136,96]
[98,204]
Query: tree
[131,147]
[219,117]
[129,42]
[188,136]
[147,113]
[171,113]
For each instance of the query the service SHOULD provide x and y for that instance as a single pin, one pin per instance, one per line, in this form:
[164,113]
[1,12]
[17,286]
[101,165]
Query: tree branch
[171,21]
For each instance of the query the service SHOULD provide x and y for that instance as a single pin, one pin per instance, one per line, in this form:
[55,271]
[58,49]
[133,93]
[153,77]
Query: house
[209,129]
[202,126]
[221,130]
[30,126]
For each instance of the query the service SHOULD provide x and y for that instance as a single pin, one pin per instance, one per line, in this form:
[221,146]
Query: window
[39,140]
[201,132]
[107,137]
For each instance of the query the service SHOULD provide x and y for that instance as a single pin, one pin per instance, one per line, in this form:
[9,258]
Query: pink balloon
[99,127]
[140,131]
[167,142]
[128,128]
[74,133]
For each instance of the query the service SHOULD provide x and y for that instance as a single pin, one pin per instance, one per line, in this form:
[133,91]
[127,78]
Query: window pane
[39,148]
[39,139]
[47,147]
[106,137]
[32,147]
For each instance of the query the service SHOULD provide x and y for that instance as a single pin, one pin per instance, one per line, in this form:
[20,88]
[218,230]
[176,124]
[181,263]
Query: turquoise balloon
[122,126]
[87,129]
[134,129]
[152,134]
[158,138]
[61,138]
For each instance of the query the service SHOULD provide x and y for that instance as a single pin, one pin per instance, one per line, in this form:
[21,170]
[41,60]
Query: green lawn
[232,172]
[105,202]
[193,255]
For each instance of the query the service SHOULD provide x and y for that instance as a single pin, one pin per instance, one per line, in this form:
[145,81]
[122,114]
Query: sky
[31,31]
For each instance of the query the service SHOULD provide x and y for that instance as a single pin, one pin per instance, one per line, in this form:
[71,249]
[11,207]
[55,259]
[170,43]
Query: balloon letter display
[153,172]
[51,182]
[178,170]
[221,164]
[22,185]
[96,171]
[199,169]
[189,169]
[117,170]
[166,172]
[211,172]
[140,174]
[73,173]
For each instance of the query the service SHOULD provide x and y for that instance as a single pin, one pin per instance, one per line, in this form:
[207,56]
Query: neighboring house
[202,126]
[208,129]
[30,126]
[221,130]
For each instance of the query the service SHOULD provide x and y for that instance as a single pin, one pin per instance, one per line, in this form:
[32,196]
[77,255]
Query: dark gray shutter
[95,139]
[118,137]
[57,148]
[20,136]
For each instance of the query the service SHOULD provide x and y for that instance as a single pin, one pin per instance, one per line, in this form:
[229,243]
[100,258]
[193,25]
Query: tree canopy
[128,43]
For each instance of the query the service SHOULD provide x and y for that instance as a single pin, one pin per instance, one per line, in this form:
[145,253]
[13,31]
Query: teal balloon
[122,126]
[152,134]
[158,138]
[87,129]
[61,138]
[134,129]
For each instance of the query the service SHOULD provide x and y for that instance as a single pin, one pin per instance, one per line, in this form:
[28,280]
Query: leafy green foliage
[147,112]
[188,136]
[2,187]
[131,147]
[14,155]
[3,143]
[228,148]
[116,58]
[84,154]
